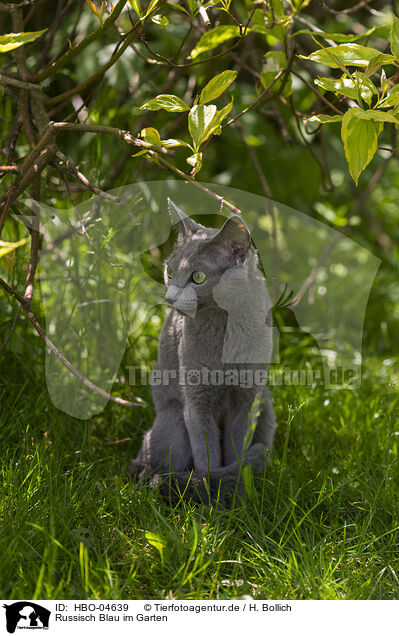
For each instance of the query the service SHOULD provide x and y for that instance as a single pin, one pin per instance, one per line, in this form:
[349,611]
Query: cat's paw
[140,471]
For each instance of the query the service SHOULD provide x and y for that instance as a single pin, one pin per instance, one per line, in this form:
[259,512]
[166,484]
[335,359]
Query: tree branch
[90,385]
[66,165]
[125,135]
[196,184]
[10,81]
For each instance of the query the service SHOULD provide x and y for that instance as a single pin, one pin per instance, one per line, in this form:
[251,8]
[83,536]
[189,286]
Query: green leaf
[7,248]
[195,161]
[347,55]
[173,143]
[192,5]
[140,153]
[248,481]
[151,6]
[213,38]
[219,117]
[177,6]
[135,4]
[384,83]
[216,86]
[278,8]
[275,31]
[199,122]
[157,541]
[337,37]
[171,103]
[275,61]
[262,21]
[349,86]
[376,62]
[93,8]
[103,9]
[375,115]
[11,41]
[360,138]
[301,4]
[214,126]
[277,17]
[151,135]
[392,99]
[161,20]
[394,37]
[324,119]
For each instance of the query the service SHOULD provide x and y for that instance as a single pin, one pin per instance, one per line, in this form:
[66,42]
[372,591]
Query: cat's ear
[183,223]
[233,240]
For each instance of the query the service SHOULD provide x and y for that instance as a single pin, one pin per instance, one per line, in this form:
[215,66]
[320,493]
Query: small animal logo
[26,615]
[193,377]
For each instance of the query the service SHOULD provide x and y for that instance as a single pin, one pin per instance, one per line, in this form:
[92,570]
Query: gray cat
[214,336]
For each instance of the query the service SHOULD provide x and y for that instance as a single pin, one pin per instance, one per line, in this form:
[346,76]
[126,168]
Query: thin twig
[90,385]
[316,92]
[30,278]
[60,63]
[6,209]
[284,74]
[12,141]
[322,261]
[50,34]
[97,75]
[10,334]
[164,61]
[269,203]
[196,184]
[84,230]
[119,441]
[126,39]
[23,97]
[33,262]
[66,165]
[356,7]
[326,177]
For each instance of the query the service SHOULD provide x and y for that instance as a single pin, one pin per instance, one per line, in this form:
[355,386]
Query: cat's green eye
[198,277]
[168,272]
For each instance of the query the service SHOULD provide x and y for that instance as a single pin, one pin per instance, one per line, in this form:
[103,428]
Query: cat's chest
[202,342]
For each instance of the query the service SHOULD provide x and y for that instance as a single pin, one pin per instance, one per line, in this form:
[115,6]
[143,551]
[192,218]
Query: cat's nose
[172,294]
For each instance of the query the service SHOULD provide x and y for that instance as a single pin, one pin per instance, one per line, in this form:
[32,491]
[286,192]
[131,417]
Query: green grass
[323,523]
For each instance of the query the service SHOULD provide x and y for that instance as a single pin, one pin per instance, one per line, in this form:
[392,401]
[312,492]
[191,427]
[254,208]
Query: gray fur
[198,434]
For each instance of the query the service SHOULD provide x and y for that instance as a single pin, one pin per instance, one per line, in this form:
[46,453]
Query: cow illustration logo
[26,615]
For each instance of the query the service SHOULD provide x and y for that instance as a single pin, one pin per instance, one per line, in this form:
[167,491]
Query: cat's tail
[220,485]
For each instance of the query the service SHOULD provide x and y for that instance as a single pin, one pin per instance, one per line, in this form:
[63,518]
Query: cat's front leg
[205,443]
[203,431]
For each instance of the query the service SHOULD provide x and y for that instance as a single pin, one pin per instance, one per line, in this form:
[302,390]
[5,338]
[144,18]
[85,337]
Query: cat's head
[200,257]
